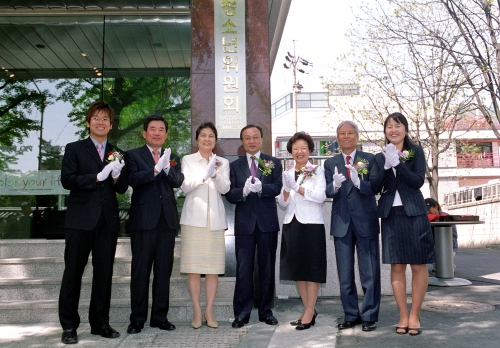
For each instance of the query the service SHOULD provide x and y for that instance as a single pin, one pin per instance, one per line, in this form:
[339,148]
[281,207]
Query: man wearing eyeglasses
[92,223]
[255,182]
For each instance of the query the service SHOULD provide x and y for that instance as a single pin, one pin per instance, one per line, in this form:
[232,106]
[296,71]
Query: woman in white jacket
[303,242]
[203,221]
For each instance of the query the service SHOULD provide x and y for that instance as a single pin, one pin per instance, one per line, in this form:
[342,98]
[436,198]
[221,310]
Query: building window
[304,101]
[476,154]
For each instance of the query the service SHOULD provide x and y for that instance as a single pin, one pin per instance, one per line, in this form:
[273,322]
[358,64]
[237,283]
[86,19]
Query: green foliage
[51,156]
[18,98]
[133,99]
[400,63]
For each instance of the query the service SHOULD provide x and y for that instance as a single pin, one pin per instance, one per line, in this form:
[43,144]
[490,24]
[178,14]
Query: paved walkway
[467,316]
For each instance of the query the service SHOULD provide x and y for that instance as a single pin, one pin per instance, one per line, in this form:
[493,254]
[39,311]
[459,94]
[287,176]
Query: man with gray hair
[355,227]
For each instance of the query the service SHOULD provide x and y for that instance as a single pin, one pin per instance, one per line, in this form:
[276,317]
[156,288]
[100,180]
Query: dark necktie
[253,167]
[348,161]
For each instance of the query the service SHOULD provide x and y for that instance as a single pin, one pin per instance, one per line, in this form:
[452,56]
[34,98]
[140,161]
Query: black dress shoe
[166,325]
[368,326]
[135,328]
[105,331]
[270,320]
[299,321]
[349,324]
[303,326]
[239,322]
[69,336]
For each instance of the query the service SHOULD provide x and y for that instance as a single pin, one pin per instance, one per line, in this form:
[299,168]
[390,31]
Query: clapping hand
[354,175]
[246,189]
[210,170]
[338,179]
[286,187]
[256,186]
[391,156]
[117,168]
[104,173]
[290,181]
[164,162]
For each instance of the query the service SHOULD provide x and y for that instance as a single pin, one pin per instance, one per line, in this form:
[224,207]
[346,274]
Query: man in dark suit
[255,183]
[153,224]
[354,226]
[92,223]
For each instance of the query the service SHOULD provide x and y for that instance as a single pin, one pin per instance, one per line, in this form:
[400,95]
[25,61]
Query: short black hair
[155,117]
[206,125]
[100,106]
[300,136]
[399,118]
[251,126]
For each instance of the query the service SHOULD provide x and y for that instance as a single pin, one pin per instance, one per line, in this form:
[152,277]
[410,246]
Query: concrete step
[53,267]
[33,289]
[45,311]
[29,248]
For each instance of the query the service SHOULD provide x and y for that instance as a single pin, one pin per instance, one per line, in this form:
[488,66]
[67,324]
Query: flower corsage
[114,156]
[307,172]
[266,167]
[406,155]
[361,165]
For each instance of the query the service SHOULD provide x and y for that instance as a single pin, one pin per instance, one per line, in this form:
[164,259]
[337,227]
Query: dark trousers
[368,252]
[151,249]
[79,244]
[245,245]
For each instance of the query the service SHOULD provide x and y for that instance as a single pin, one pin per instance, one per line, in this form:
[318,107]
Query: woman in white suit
[203,221]
[303,243]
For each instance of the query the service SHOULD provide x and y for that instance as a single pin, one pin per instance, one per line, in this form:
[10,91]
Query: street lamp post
[293,60]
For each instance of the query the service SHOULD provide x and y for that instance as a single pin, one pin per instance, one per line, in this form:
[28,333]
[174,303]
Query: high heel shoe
[299,321]
[401,330]
[415,331]
[195,324]
[303,326]
[213,324]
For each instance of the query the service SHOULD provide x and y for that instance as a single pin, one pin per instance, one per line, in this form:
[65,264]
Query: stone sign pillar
[203,65]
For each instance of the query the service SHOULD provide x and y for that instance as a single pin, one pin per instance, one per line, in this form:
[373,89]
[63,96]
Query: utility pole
[293,60]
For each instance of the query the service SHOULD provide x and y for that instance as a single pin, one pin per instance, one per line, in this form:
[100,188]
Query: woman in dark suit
[398,174]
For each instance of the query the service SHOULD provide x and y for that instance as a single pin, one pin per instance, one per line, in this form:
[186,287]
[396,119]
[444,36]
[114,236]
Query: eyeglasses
[103,119]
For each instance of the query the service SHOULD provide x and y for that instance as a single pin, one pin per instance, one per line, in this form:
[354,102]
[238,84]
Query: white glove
[117,168]
[163,162]
[290,180]
[391,156]
[286,187]
[387,164]
[256,186]
[104,173]
[393,159]
[246,189]
[210,169]
[354,175]
[338,179]
[167,154]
